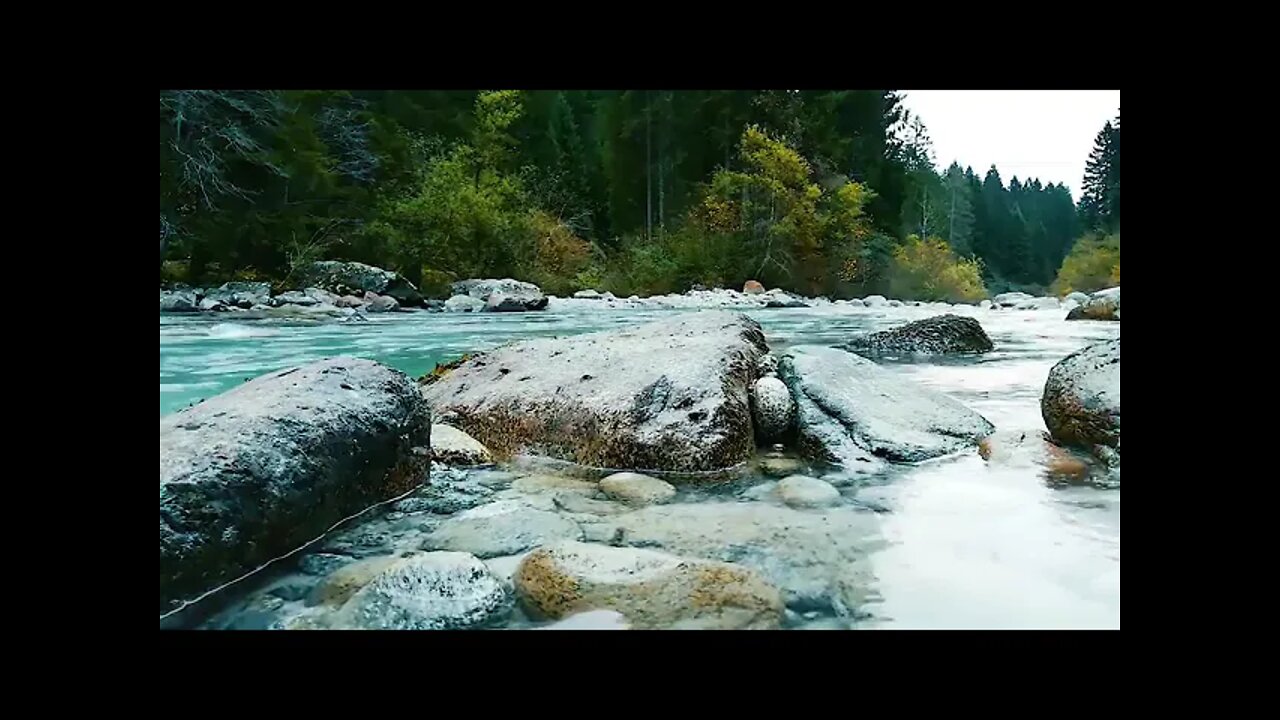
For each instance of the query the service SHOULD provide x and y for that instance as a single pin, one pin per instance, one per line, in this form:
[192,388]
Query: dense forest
[818,192]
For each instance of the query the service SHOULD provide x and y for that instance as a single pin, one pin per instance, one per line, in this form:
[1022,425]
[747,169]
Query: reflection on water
[966,543]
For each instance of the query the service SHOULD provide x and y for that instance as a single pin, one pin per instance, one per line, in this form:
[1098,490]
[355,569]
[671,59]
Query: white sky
[1044,134]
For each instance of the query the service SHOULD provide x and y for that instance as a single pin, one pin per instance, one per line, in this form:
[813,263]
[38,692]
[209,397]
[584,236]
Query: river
[965,543]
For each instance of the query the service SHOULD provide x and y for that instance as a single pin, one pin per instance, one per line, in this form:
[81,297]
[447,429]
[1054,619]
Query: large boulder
[263,468]
[752,287]
[850,410]
[669,395]
[428,591]
[1102,305]
[241,294]
[178,301]
[294,297]
[353,278]
[653,590]
[874,300]
[933,336]
[514,296]
[1081,401]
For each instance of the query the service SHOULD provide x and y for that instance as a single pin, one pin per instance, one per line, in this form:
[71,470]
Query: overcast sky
[1044,134]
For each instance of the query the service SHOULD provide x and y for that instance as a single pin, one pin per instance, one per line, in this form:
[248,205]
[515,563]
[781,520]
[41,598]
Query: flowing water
[964,543]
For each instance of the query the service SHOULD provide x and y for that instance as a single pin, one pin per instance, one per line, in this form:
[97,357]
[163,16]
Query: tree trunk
[648,168]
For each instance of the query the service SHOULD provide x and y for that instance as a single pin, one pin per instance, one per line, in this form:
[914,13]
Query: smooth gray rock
[260,469]
[937,335]
[353,278]
[669,395]
[451,446]
[817,557]
[849,408]
[428,591]
[463,303]
[587,295]
[802,491]
[1081,401]
[294,297]
[874,301]
[637,489]
[502,528]
[1077,297]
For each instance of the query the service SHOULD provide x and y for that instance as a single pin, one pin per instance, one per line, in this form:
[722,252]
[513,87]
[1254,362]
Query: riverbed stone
[801,491]
[772,408]
[451,446]
[505,527]
[637,489]
[653,590]
[428,591]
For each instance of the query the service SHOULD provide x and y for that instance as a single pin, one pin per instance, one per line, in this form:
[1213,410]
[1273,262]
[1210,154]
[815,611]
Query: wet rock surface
[670,395]
[851,411]
[934,336]
[257,471]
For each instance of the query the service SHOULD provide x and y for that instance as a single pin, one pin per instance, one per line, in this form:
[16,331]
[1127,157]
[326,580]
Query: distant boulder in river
[514,296]
[1102,305]
[353,278]
[937,335]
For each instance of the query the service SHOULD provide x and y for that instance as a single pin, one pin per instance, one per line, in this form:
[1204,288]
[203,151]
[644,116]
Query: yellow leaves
[1092,264]
[929,270]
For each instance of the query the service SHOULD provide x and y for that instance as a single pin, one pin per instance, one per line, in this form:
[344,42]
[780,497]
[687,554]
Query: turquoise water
[970,544]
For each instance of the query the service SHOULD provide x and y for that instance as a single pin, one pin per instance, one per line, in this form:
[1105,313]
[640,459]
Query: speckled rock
[933,336]
[637,489]
[353,278]
[260,469]
[451,446]
[772,408]
[428,591]
[801,491]
[669,395]
[851,411]
[1081,401]
[652,589]
[506,527]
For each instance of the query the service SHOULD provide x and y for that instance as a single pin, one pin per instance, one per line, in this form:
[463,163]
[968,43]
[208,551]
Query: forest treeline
[646,191]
